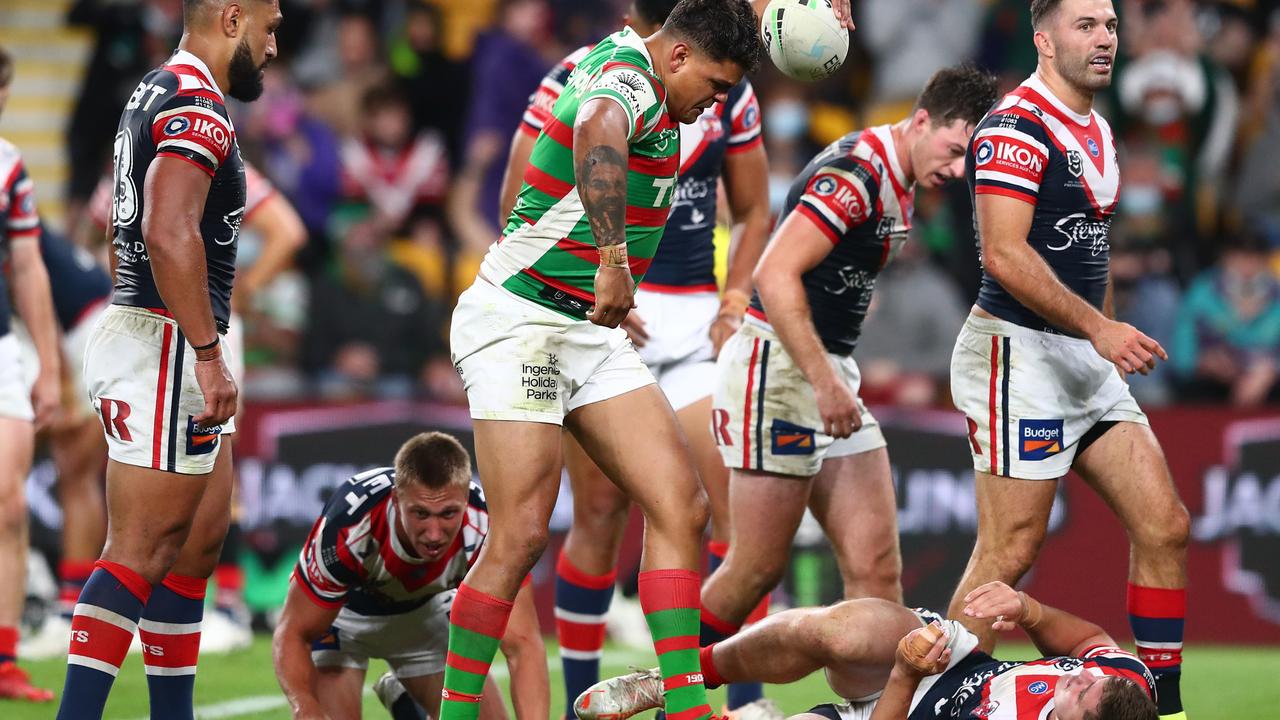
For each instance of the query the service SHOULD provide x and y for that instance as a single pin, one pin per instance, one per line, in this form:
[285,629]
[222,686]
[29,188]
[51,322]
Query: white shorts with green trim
[1030,396]
[522,361]
[679,351]
[765,414]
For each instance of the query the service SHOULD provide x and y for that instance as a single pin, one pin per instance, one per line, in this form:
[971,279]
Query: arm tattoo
[602,185]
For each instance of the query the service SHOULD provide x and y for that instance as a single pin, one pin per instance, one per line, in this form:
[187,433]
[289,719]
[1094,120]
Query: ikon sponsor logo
[986,151]
[214,131]
[1012,154]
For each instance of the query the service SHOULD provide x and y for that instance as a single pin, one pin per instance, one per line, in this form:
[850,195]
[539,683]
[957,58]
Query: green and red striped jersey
[547,253]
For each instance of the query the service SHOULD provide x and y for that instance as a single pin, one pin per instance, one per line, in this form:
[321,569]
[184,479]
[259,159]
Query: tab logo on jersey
[789,439]
[177,126]
[1039,439]
[201,440]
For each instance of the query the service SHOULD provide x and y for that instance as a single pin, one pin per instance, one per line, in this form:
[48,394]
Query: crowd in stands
[387,124]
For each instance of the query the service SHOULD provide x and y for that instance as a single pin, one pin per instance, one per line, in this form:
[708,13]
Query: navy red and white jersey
[396,182]
[354,556]
[258,189]
[177,111]
[19,219]
[980,686]
[858,196]
[1034,148]
[78,283]
[685,261]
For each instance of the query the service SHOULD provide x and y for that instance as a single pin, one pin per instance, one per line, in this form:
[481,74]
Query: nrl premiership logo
[1075,163]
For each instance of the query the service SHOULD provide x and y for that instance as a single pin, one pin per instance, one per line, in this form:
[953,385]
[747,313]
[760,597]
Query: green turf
[1222,683]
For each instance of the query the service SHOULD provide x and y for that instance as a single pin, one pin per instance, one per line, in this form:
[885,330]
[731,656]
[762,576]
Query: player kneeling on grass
[889,664]
[376,579]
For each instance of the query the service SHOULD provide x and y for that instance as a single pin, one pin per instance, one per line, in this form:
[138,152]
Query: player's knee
[518,551]
[686,515]
[601,511]
[877,573]
[1165,531]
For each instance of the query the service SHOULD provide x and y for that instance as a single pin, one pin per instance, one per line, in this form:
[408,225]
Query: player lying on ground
[873,658]
[376,579]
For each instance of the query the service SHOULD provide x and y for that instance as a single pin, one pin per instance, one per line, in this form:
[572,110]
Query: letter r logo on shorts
[114,413]
[720,426]
[1039,439]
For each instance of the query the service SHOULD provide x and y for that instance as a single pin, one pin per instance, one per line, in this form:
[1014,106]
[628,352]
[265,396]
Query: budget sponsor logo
[1039,439]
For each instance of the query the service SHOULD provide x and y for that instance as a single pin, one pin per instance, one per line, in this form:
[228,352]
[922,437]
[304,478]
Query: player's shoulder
[475,498]
[1015,112]
[10,159]
[359,495]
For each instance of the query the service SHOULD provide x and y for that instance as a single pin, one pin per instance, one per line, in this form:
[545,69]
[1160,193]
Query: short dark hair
[724,29]
[383,95]
[434,459]
[961,92]
[1122,699]
[654,12]
[1041,9]
[6,68]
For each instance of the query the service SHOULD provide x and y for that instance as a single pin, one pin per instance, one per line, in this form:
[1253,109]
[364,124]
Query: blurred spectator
[373,329]
[1145,295]
[1006,48]
[910,40]
[911,325]
[428,75]
[1258,187]
[360,67]
[508,65]
[399,174]
[1170,96]
[1227,342]
[300,153]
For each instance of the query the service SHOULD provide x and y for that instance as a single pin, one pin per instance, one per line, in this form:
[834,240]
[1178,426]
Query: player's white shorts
[765,414]
[1030,396]
[960,641]
[15,392]
[521,361]
[74,341]
[679,351]
[414,643]
[140,376]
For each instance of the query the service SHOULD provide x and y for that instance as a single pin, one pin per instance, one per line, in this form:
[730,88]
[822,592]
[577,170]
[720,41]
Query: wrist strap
[209,346]
[614,256]
[1032,611]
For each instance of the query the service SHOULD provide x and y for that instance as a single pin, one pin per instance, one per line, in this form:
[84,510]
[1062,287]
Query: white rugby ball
[804,38]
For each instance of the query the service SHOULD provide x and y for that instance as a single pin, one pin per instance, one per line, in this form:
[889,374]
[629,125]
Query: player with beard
[154,365]
[1035,366]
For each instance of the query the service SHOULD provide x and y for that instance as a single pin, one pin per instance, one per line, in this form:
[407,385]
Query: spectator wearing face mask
[1226,345]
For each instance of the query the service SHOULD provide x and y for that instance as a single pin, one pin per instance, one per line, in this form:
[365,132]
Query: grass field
[1222,683]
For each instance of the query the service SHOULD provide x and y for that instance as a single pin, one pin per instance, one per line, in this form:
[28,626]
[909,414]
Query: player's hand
[923,652]
[838,407]
[1126,347]
[995,600]
[844,13]
[219,391]
[636,329]
[46,399]
[615,296]
[723,328]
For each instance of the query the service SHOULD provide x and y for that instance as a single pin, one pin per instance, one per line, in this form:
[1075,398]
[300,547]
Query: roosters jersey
[1034,148]
[19,220]
[980,686]
[354,556]
[857,195]
[76,280]
[685,261]
[258,189]
[177,111]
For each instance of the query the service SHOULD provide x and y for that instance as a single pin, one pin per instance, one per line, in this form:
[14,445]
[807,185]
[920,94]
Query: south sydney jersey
[177,111]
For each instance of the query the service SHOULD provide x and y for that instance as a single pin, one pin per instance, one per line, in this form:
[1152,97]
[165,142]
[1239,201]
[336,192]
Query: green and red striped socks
[476,624]
[671,606]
